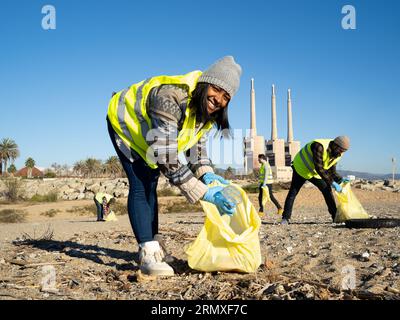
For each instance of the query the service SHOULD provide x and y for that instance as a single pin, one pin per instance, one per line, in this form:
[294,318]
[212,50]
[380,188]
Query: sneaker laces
[150,256]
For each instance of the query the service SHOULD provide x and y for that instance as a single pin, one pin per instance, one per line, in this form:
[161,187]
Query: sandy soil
[308,259]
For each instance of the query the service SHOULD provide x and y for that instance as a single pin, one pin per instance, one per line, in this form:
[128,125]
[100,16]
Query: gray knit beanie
[225,73]
[343,142]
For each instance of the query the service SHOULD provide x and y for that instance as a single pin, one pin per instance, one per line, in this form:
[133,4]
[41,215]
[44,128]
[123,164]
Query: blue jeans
[99,207]
[142,198]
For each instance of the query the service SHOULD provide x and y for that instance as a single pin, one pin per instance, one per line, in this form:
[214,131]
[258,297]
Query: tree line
[88,168]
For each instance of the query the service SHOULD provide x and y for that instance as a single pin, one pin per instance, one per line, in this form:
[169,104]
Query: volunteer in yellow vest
[265,180]
[153,121]
[316,162]
[103,202]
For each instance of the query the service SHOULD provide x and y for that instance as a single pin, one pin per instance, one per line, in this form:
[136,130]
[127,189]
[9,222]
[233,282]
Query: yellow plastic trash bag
[348,206]
[227,243]
[265,196]
[111,217]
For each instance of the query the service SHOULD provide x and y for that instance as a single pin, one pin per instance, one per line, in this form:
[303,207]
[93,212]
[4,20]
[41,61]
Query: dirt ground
[70,256]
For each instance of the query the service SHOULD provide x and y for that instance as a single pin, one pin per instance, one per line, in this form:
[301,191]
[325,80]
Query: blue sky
[56,84]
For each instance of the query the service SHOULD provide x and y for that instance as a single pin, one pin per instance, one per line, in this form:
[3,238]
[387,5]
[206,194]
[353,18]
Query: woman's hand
[214,196]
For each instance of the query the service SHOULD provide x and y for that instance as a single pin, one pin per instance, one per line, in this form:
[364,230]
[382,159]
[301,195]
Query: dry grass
[12,216]
[50,213]
[28,239]
[12,189]
[49,197]
[83,210]
[182,206]
[168,192]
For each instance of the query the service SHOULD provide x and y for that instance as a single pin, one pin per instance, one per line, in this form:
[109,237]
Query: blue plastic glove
[345,180]
[210,177]
[337,187]
[214,196]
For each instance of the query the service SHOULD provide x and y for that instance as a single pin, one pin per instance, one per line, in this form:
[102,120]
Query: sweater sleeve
[197,158]
[165,112]
[318,151]
[333,173]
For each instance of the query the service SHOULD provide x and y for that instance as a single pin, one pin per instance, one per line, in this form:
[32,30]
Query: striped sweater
[329,175]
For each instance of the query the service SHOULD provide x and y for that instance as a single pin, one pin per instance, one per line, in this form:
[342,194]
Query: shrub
[119,208]
[168,192]
[251,188]
[12,216]
[13,189]
[49,197]
[50,174]
[178,207]
[50,213]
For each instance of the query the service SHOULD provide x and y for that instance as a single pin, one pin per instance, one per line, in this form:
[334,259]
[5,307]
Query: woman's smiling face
[217,99]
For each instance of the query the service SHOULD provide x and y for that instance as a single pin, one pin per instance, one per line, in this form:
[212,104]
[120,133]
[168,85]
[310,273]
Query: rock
[81,196]
[394,256]
[308,290]
[93,187]
[312,254]
[367,187]
[289,250]
[376,289]
[388,183]
[365,255]
[73,196]
[280,290]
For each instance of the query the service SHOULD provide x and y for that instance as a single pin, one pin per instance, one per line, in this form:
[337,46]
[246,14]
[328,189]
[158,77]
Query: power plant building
[280,153]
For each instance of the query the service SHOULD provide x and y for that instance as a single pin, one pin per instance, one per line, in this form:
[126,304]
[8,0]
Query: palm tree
[92,167]
[12,169]
[30,163]
[113,166]
[79,168]
[8,151]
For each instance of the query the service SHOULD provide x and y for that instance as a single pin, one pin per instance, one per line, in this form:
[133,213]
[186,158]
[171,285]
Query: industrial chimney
[274,129]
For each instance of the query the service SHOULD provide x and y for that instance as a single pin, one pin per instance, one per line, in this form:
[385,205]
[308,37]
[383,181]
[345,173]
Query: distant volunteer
[316,162]
[265,180]
[153,121]
[103,203]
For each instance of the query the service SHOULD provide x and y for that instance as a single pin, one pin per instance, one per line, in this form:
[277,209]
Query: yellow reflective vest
[304,162]
[129,119]
[100,195]
[266,169]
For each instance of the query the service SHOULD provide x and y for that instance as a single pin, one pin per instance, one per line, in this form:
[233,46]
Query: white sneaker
[151,260]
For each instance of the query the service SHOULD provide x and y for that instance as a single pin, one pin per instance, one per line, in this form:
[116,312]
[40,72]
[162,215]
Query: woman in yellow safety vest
[103,202]
[153,121]
[266,179]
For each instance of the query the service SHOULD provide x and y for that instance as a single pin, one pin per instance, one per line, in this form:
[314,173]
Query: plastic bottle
[232,194]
